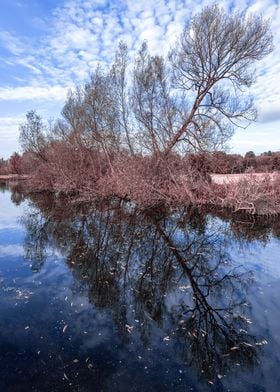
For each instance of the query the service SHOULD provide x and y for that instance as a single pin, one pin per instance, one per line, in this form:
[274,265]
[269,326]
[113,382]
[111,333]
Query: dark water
[108,298]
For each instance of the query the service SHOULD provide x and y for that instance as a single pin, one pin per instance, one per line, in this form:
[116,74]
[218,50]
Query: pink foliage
[148,182]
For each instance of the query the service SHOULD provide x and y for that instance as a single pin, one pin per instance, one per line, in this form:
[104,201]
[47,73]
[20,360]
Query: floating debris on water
[129,328]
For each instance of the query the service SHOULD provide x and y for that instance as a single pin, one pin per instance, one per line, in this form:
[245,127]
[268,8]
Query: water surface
[109,298]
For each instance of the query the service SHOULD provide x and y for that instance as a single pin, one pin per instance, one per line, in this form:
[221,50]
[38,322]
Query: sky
[49,46]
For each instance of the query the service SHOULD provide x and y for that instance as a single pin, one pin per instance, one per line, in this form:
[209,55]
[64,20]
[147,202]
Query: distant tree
[32,135]
[276,161]
[15,163]
[3,166]
[250,154]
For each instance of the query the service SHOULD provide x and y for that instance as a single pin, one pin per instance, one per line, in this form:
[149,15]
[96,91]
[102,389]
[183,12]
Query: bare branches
[32,135]
[212,62]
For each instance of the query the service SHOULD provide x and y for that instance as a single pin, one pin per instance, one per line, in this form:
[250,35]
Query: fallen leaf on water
[262,343]
[65,376]
[247,344]
[183,288]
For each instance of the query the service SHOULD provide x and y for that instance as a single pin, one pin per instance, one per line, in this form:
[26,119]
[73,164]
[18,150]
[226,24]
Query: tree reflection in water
[168,276]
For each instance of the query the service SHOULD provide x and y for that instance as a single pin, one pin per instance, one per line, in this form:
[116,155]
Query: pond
[108,298]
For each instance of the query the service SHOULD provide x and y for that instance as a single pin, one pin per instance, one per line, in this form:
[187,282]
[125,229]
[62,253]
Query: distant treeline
[221,163]
[216,162]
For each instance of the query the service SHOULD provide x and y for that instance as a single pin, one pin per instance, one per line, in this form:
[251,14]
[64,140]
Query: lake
[105,297]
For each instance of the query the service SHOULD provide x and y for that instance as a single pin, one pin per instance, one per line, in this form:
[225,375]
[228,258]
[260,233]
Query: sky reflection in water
[108,298]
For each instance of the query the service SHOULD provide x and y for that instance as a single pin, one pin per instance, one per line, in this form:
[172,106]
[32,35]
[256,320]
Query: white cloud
[27,62]
[57,93]
[258,137]
[9,133]
[269,111]
[11,43]
[9,127]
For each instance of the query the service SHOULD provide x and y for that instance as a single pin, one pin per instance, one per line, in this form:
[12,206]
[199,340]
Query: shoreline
[256,194]
[9,177]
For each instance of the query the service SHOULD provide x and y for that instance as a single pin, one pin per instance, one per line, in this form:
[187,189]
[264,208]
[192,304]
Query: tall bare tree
[196,100]
[212,66]
[153,105]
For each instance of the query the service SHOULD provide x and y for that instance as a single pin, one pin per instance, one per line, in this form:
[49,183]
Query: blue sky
[49,46]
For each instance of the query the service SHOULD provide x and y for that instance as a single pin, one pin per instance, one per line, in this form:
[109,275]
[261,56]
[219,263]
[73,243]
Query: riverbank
[254,193]
[171,186]
[11,177]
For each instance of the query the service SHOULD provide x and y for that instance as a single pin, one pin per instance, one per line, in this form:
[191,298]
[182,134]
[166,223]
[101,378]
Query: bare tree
[154,107]
[91,116]
[212,67]
[33,135]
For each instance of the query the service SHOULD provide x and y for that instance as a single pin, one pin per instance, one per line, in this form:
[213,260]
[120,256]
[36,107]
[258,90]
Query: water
[108,298]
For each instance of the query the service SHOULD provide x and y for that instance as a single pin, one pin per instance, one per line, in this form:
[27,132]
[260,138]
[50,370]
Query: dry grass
[223,179]
[258,194]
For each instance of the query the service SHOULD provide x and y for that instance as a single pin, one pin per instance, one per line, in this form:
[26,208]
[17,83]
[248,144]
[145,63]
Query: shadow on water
[167,284]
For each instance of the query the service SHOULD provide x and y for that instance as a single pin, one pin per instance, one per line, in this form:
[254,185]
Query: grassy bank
[143,181]
[256,193]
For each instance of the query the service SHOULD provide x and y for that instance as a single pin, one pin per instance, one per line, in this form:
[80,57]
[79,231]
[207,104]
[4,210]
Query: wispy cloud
[259,138]
[11,43]
[57,92]
[9,133]
[8,125]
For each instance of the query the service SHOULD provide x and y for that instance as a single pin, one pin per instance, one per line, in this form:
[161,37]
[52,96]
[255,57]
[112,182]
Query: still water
[108,298]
